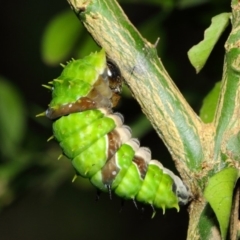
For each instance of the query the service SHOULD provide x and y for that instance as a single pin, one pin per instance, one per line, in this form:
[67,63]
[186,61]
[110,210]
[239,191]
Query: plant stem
[170,114]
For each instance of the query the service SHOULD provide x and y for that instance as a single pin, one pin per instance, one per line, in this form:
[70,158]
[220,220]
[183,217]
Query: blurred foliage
[36,198]
[11,107]
[56,48]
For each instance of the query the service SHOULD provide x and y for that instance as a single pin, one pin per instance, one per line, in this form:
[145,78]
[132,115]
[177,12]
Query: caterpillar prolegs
[98,143]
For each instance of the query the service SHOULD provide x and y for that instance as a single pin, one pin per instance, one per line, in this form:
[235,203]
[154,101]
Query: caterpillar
[98,143]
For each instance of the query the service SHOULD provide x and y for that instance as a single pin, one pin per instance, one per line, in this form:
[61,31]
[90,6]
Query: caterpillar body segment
[83,85]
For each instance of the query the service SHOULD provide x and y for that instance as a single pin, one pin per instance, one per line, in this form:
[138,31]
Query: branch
[161,101]
[195,147]
[227,119]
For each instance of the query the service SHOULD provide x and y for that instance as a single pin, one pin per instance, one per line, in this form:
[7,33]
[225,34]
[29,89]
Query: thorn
[51,82]
[59,157]
[74,178]
[156,43]
[71,83]
[49,139]
[58,80]
[62,65]
[46,86]
[154,211]
[98,195]
[177,207]
[109,191]
[135,204]
[86,172]
[43,114]
[163,208]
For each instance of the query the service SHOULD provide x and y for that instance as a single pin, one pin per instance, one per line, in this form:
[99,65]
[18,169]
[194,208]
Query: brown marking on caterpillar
[142,158]
[82,104]
[110,171]
[141,164]
[99,96]
[93,100]
[114,143]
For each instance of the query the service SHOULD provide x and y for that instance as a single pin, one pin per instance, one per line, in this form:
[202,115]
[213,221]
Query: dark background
[37,198]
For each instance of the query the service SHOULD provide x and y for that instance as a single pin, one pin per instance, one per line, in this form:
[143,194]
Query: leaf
[208,108]
[60,37]
[12,118]
[218,193]
[199,53]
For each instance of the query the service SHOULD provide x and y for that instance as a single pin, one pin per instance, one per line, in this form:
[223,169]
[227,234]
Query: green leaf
[209,104]
[60,37]
[219,192]
[199,53]
[12,119]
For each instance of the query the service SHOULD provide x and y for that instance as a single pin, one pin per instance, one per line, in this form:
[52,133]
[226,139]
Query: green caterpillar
[99,145]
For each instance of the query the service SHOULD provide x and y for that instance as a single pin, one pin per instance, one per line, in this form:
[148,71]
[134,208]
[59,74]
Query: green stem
[227,119]
[161,101]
